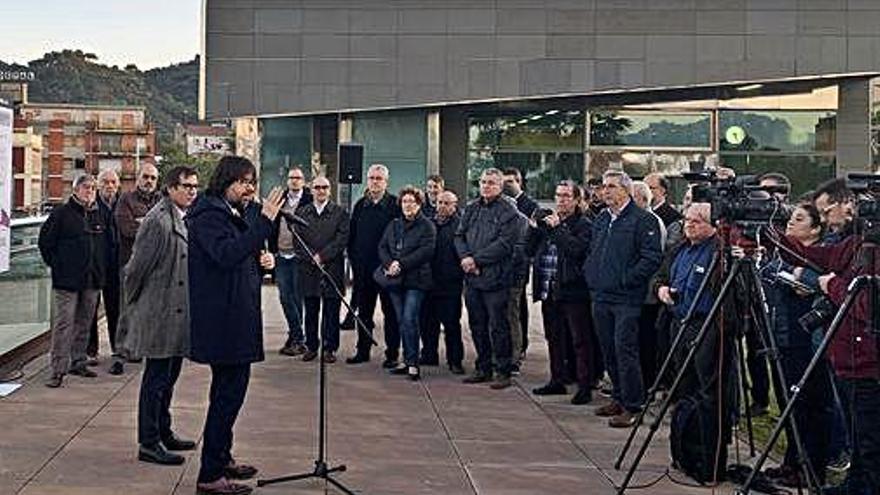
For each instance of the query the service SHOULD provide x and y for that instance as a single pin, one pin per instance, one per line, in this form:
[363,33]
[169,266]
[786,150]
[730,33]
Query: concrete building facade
[422,83]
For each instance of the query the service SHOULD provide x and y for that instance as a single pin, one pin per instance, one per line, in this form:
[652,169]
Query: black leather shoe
[83,372]
[389,364]
[399,370]
[358,358]
[582,397]
[55,380]
[310,356]
[550,389]
[478,377]
[158,455]
[117,368]
[456,369]
[178,444]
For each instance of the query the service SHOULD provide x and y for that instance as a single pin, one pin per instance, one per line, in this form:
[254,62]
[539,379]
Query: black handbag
[379,276]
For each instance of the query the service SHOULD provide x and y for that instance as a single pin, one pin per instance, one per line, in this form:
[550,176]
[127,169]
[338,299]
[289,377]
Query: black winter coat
[327,236]
[368,222]
[72,242]
[224,283]
[623,256]
[526,205]
[572,240]
[411,243]
[489,232]
[446,266]
[668,214]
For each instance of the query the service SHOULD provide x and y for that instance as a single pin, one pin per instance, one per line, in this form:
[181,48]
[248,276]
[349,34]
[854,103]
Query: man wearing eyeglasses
[283,245]
[156,320]
[130,212]
[71,243]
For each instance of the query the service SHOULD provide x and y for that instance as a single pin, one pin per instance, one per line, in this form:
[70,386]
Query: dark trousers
[368,291]
[328,309]
[229,383]
[568,327]
[648,353]
[442,309]
[756,362]
[154,404]
[618,329]
[861,398]
[813,412]
[490,328]
[110,295]
[524,319]
[287,279]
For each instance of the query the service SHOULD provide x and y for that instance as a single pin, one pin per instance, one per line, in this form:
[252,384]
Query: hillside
[72,76]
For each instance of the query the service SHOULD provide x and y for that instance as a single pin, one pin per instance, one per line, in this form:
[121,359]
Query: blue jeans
[617,326]
[408,308]
[287,278]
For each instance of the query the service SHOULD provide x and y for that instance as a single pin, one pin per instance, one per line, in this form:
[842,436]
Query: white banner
[6,186]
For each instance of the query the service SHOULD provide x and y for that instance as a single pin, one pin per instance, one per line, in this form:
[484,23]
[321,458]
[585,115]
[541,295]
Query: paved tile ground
[437,436]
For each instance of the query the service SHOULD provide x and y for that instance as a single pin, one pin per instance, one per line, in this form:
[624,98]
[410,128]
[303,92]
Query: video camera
[866,188]
[738,201]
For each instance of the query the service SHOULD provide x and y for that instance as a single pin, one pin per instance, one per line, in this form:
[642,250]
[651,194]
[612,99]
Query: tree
[174,155]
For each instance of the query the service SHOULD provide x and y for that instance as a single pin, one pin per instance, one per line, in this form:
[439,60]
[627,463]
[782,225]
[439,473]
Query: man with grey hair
[485,242]
[130,212]
[625,253]
[108,194]
[369,217]
[71,243]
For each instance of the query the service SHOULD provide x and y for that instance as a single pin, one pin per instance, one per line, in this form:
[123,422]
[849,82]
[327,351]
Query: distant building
[27,166]
[204,139]
[86,138]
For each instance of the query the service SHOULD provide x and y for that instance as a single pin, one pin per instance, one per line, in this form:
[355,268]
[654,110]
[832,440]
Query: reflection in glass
[641,163]
[651,129]
[778,130]
[804,171]
[549,130]
[541,170]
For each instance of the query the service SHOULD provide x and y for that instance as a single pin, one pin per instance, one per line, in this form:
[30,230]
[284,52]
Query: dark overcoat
[155,323]
[326,235]
[224,283]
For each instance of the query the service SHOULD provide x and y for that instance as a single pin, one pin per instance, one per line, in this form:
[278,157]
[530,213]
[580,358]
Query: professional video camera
[866,188]
[742,200]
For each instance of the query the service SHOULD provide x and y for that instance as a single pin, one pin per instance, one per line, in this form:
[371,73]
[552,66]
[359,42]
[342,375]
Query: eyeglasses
[188,187]
[376,177]
[321,187]
[247,182]
[299,177]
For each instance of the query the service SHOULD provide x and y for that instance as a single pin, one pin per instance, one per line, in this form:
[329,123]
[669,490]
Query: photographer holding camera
[558,241]
[853,350]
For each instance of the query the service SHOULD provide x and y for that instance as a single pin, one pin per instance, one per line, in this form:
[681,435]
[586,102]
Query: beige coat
[155,322]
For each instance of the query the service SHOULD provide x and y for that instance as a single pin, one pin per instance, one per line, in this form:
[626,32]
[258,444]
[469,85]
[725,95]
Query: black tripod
[742,269]
[321,470]
[860,283]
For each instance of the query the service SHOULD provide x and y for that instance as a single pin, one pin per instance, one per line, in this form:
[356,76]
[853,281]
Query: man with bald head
[108,195]
[443,306]
[130,212]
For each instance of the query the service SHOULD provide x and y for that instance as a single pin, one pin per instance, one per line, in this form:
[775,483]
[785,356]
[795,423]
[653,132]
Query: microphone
[293,219]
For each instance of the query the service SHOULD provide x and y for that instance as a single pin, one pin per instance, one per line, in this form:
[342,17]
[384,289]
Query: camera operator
[853,350]
[559,241]
[790,293]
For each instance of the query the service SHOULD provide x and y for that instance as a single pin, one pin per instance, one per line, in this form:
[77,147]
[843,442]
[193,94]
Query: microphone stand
[322,470]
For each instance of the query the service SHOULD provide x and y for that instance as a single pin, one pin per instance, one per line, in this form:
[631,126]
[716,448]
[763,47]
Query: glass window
[541,170]
[804,171]
[651,129]
[800,131]
[550,130]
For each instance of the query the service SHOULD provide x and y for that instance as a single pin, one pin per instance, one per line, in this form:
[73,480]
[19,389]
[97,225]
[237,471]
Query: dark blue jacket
[489,232]
[72,244]
[224,283]
[623,256]
[368,222]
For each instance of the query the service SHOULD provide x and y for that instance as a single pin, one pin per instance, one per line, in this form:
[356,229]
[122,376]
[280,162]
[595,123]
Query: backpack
[694,440]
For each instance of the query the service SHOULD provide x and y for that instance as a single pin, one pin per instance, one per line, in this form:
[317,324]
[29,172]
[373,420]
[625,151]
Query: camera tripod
[742,268]
[870,282]
[322,470]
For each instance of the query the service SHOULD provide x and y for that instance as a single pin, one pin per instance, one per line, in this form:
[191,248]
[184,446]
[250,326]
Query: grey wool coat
[155,321]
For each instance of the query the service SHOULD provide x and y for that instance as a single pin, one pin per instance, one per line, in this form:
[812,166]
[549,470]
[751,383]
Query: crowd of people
[615,267]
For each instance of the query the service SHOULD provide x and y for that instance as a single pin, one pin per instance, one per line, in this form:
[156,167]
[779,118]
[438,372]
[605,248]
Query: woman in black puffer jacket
[406,250]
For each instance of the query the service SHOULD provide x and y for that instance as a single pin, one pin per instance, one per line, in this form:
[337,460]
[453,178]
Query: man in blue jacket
[225,262]
[625,253]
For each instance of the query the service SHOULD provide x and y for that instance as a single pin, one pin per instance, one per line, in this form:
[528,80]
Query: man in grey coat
[155,324]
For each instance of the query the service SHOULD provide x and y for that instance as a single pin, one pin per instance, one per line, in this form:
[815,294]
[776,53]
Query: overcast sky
[148,33]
